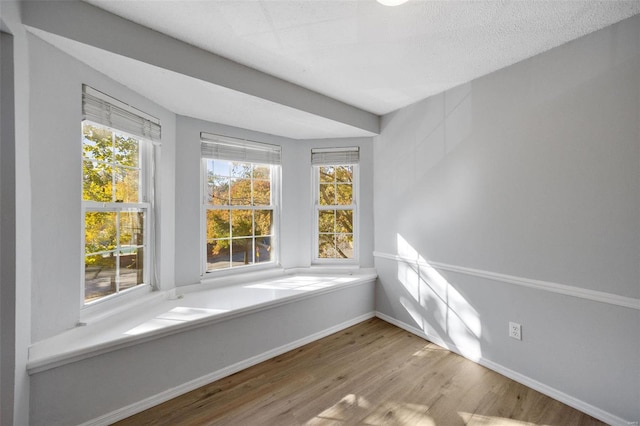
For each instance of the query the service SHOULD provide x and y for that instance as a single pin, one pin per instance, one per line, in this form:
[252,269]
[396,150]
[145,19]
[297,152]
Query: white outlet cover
[515,330]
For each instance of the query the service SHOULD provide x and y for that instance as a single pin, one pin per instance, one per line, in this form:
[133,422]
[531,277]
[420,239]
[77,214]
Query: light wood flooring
[370,374]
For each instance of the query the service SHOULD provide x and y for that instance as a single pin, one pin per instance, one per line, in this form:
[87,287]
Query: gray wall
[533,173]
[16,224]
[7,231]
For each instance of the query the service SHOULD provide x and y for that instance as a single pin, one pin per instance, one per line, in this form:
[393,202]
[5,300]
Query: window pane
[131,228]
[263,222]
[344,174]
[243,236]
[261,172]
[326,246]
[326,221]
[99,276]
[218,189]
[344,221]
[97,181]
[335,198]
[241,170]
[218,254]
[327,194]
[97,143]
[240,192]
[242,251]
[344,194]
[344,246]
[131,268]
[219,167]
[327,174]
[241,223]
[127,185]
[261,193]
[126,151]
[263,249]
[114,241]
[218,224]
[100,231]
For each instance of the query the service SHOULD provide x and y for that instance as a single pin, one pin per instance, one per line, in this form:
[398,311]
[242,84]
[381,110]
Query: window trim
[240,151]
[145,148]
[315,259]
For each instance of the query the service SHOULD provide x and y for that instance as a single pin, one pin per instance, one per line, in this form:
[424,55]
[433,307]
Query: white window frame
[240,151]
[101,110]
[326,157]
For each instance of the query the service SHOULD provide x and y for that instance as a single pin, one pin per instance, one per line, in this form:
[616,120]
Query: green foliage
[111,166]
[111,173]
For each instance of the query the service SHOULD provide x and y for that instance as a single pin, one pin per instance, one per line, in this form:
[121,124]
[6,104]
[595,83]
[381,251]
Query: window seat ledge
[184,309]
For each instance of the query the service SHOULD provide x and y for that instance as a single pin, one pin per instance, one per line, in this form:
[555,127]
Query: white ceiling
[196,98]
[374,57]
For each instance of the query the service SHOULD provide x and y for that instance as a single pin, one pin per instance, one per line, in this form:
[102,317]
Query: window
[239,209]
[335,195]
[116,196]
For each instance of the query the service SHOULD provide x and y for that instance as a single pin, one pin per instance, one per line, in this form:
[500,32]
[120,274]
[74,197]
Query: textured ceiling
[366,55]
[371,56]
[195,98]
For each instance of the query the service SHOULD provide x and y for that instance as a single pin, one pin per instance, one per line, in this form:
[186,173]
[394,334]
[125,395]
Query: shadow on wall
[436,307]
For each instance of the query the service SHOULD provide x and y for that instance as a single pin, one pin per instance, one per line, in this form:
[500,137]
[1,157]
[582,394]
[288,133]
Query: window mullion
[230,232]
[113,167]
[117,252]
[253,236]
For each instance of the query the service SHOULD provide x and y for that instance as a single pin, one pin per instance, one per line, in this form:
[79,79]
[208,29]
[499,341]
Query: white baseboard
[514,375]
[154,400]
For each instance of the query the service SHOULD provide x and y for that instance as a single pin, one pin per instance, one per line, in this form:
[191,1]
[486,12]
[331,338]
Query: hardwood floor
[371,374]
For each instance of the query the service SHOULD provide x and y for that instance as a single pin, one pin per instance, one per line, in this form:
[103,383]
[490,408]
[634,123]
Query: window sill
[184,309]
[114,304]
[227,277]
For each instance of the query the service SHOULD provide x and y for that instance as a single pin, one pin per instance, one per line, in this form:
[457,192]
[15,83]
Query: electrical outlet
[515,330]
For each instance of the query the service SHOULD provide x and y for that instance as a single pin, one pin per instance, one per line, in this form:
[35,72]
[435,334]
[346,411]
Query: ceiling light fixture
[392,2]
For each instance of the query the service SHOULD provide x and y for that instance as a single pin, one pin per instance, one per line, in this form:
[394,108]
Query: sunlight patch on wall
[435,305]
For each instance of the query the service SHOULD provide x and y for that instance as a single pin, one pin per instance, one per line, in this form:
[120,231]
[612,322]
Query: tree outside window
[114,211]
[335,211]
[239,214]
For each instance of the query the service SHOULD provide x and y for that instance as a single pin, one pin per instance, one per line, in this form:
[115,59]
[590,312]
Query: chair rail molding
[593,295]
